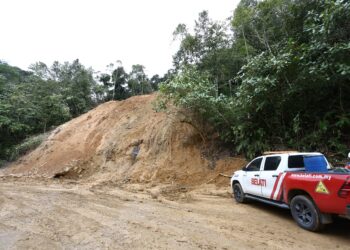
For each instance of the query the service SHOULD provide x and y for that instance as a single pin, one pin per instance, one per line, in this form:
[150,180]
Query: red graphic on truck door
[277,188]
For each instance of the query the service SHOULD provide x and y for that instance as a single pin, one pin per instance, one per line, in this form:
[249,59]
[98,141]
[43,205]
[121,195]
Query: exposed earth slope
[102,144]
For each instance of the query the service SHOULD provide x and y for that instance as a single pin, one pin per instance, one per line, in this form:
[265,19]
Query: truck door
[251,177]
[272,177]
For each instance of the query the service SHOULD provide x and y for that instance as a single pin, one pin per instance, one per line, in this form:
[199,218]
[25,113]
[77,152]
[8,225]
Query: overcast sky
[99,32]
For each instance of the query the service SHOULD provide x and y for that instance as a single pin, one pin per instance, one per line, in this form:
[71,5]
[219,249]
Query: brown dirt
[98,146]
[56,214]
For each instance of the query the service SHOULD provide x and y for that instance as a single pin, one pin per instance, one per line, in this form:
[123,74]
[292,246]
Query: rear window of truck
[296,161]
[311,163]
[272,163]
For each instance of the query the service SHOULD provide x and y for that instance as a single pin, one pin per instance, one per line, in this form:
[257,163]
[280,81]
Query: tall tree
[76,83]
[138,81]
[210,48]
[119,79]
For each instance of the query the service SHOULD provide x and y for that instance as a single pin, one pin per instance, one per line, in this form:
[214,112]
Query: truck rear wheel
[305,213]
[238,193]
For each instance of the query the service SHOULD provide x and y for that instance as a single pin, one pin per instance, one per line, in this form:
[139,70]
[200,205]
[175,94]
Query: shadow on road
[339,228]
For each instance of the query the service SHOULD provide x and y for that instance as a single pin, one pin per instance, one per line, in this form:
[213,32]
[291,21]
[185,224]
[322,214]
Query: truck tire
[238,193]
[305,213]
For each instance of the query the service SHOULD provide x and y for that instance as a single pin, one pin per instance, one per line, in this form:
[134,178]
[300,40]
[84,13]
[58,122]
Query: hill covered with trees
[34,101]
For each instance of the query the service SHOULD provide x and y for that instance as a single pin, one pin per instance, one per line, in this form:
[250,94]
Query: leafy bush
[192,91]
[26,146]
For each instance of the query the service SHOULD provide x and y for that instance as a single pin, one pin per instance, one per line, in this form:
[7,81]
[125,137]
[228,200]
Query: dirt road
[54,215]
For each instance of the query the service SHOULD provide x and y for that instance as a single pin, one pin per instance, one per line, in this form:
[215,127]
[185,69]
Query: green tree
[210,48]
[119,79]
[75,83]
[138,82]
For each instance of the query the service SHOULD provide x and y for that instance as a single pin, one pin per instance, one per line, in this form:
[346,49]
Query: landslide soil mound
[127,141]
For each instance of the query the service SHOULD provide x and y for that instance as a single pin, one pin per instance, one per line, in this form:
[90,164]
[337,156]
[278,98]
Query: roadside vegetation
[274,76]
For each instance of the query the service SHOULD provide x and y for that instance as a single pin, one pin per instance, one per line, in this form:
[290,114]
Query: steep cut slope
[125,141]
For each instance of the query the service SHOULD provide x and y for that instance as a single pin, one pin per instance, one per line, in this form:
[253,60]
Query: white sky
[99,32]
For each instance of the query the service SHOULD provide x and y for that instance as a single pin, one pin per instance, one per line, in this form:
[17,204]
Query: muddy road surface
[61,215]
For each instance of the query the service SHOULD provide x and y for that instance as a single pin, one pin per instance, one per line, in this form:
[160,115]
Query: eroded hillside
[126,141]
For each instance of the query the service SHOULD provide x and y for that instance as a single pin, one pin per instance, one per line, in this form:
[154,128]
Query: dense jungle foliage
[34,101]
[274,76]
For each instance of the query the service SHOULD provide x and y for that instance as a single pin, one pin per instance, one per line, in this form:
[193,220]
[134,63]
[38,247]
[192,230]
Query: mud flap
[326,218]
[347,216]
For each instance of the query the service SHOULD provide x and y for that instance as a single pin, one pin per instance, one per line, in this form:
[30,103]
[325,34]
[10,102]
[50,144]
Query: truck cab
[264,175]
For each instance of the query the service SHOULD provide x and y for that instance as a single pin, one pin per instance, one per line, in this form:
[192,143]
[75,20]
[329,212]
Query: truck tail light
[344,191]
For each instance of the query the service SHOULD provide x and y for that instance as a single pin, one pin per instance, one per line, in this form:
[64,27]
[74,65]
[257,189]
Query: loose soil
[127,141]
[56,214]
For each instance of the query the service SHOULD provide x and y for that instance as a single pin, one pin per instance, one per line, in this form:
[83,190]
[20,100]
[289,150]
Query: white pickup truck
[302,182]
